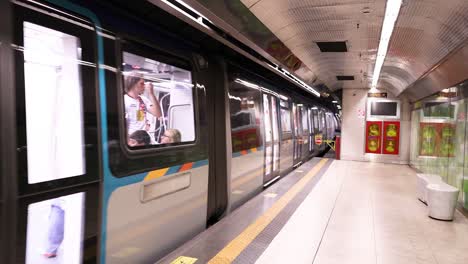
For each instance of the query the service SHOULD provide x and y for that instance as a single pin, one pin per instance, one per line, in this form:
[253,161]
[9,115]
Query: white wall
[354,126]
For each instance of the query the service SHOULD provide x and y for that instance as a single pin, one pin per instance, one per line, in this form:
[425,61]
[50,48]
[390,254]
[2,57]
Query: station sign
[377,95]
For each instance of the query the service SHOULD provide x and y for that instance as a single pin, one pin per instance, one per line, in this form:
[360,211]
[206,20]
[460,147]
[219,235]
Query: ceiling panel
[426,32]
[300,24]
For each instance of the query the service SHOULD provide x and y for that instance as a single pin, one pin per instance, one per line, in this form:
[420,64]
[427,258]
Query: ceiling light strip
[391,14]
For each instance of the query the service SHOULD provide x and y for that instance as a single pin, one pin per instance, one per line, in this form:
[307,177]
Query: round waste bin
[441,200]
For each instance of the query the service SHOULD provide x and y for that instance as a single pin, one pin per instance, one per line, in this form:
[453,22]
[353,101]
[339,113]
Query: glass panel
[274,118]
[438,138]
[316,121]
[285,120]
[268,156]
[158,102]
[55,230]
[295,127]
[245,110]
[330,125]
[311,129]
[305,126]
[311,122]
[54,111]
[267,118]
[275,157]
[294,119]
[455,146]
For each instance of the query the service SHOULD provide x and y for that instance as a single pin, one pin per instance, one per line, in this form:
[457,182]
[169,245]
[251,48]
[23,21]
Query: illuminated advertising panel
[55,230]
[391,137]
[373,137]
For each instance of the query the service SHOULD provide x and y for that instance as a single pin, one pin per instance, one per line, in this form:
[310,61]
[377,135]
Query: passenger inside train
[158,101]
[171,136]
[137,106]
[139,138]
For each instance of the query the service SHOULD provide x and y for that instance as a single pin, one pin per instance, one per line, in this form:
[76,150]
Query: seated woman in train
[138,106]
[170,136]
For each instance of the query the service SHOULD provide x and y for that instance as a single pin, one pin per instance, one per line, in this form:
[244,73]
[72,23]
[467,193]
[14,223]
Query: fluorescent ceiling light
[299,81]
[391,14]
[258,87]
[198,19]
[335,102]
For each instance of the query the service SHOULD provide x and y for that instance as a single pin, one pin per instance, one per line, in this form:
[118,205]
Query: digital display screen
[55,230]
[384,108]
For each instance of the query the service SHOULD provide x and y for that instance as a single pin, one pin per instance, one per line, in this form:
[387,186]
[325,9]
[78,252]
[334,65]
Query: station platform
[333,211]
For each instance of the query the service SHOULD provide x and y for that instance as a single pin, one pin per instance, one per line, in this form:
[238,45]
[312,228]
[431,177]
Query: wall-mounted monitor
[383,109]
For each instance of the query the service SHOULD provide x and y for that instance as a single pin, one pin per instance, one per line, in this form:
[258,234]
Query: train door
[156,187]
[57,180]
[287,144]
[297,134]
[270,119]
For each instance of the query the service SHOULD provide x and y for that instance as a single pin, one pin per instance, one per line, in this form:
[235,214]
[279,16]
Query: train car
[127,129]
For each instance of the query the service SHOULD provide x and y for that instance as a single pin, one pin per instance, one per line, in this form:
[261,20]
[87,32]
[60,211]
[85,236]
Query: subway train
[127,130]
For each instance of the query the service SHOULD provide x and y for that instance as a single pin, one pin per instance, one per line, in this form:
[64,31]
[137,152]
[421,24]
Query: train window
[316,122]
[311,120]
[55,230]
[285,120]
[305,127]
[295,121]
[54,105]
[245,108]
[274,118]
[285,115]
[266,118]
[158,101]
[323,126]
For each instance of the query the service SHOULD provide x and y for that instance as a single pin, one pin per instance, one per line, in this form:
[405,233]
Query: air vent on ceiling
[345,77]
[333,46]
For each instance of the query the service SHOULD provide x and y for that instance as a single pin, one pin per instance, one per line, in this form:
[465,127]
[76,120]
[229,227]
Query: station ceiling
[426,32]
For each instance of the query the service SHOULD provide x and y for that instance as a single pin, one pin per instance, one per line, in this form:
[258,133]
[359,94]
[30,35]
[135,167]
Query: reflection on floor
[330,154]
[373,218]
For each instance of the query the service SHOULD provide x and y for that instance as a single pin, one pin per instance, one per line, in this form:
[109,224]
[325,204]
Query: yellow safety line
[238,244]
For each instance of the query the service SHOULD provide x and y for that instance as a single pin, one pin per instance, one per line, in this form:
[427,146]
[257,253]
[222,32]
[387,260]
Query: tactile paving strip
[209,243]
[251,253]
